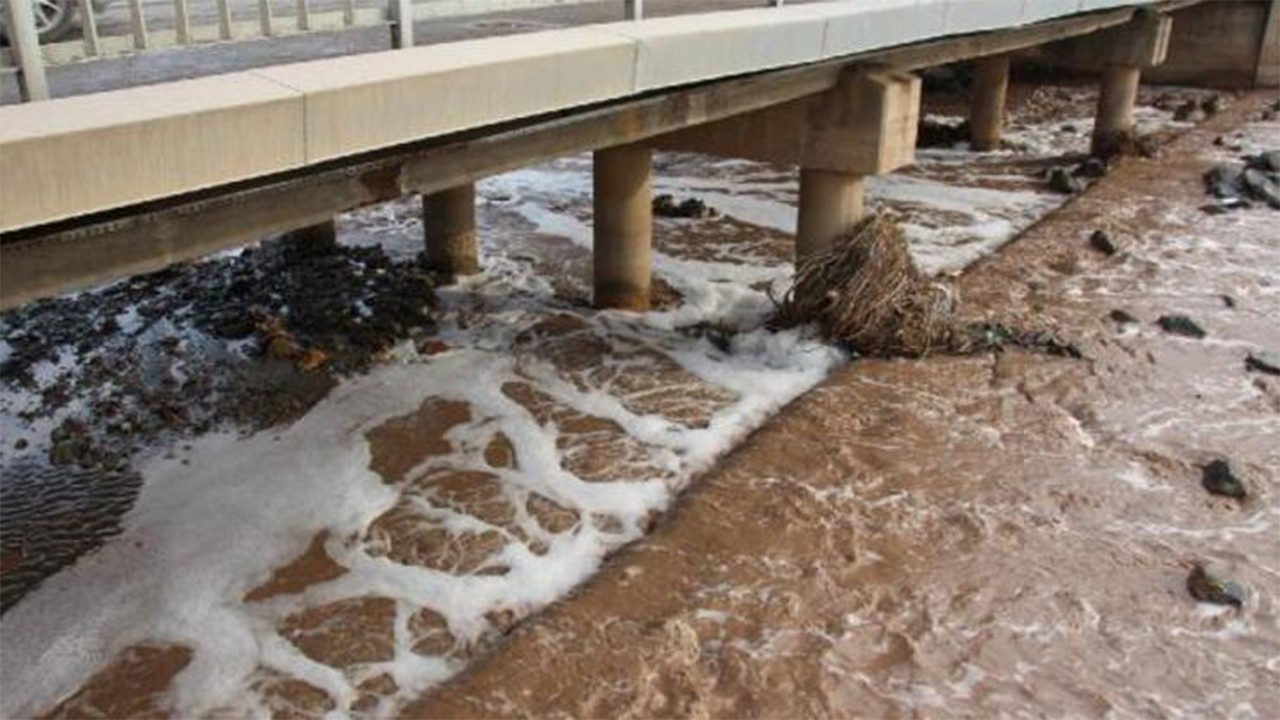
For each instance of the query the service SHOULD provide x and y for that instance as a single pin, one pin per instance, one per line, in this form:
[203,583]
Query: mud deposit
[461,466]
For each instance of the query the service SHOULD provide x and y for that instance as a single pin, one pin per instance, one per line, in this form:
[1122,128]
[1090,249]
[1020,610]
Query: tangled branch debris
[868,295]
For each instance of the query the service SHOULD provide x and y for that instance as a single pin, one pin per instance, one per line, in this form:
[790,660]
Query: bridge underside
[839,120]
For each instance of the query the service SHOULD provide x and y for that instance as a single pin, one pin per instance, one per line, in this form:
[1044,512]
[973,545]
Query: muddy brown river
[543,511]
[998,536]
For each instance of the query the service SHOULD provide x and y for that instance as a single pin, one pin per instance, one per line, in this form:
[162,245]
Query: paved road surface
[178,63]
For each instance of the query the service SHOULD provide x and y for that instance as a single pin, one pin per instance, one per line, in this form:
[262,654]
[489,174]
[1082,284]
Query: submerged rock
[1181,325]
[1224,181]
[1228,301]
[1206,587]
[1189,111]
[1257,180]
[1102,242]
[1218,479]
[1264,186]
[1263,361]
[665,206]
[1092,168]
[1063,181]
[1122,316]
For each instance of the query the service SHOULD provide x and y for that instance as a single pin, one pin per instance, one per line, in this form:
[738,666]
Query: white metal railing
[29,57]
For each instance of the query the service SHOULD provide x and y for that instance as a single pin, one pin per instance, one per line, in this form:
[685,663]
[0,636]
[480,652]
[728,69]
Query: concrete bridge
[102,186]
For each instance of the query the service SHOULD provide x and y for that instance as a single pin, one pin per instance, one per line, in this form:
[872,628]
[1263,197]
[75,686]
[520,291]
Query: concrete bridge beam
[623,227]
[865,126]
[986,110]
[449,228]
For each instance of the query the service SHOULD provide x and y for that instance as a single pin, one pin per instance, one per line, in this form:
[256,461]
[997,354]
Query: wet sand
[973,537]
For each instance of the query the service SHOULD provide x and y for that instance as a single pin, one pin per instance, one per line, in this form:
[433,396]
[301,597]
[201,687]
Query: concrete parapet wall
[76,156]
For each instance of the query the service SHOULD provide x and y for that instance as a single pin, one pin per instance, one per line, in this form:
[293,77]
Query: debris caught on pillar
[867,294]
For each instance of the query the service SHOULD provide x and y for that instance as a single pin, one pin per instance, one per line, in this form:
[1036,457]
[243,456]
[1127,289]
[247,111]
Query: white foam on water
[214,522]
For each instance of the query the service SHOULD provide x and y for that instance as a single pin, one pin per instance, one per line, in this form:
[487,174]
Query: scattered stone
[1123,317]
[1264,186]
[1189,111]
[1228,301]
[1181,325]
[984,337]
[312,360]
[931,132]
[1257,180]
[21,444]
[665,206]
[1263,361]
[1224,181]
[1268,161]
[1092,168]
[1218,479]
[1061,180]
[1213,105]
[720,335]
[1207,588]
[1102,242]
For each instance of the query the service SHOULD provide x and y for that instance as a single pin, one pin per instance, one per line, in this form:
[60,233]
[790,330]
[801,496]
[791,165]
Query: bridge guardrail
[29,56]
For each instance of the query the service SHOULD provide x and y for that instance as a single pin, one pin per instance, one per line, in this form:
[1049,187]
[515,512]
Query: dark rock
[21,444]
[1181,325]
[1092,168]
[1121,316]
[931,133]
[1263,186]
[1267,161]
[1225,181]
[1271,159]
[1217,478]
[1207,588]
[1228,301]
[665,206]
[1189,111]
[1213,105]
[1263,361]
[1102,242]
[1062,181]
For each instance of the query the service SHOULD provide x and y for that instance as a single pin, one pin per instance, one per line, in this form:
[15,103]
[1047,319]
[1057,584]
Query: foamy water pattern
[213,523]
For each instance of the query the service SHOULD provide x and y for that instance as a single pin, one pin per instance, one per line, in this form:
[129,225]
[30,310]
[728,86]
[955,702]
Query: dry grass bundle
[867,294]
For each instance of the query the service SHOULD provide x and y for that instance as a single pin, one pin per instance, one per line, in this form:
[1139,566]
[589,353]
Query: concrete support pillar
[1115,106]
[449,227]
[622,185]
[986,110]
[830,203]
[325,232]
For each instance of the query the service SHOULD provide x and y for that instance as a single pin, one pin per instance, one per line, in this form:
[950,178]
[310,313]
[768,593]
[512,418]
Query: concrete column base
[986,111]
[449,228]
[623,233]
[830,204]
[1114,121]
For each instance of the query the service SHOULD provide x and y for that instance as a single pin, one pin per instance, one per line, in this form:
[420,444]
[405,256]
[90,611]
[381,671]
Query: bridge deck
[100,186]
